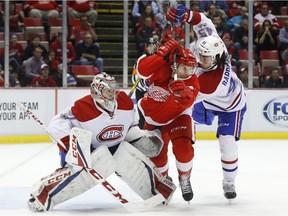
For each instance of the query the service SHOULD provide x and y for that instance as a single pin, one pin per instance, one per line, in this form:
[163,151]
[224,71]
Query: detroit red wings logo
[110,133]
[157,93]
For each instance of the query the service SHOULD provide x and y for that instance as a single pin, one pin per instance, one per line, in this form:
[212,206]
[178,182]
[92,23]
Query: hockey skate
[186,189]
[229,190]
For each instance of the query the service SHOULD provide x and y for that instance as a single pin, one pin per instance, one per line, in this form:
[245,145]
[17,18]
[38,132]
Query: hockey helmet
[211,46]
[186,58]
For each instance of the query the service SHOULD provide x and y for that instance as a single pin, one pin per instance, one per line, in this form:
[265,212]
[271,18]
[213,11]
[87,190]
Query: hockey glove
[178,14]
[180,91]
[168,48]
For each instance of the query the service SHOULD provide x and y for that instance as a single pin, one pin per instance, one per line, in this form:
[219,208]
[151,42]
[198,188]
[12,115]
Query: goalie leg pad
[141,174]
[70,181]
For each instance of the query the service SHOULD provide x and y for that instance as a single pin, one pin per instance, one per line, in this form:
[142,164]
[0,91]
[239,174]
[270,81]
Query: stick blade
[145,204]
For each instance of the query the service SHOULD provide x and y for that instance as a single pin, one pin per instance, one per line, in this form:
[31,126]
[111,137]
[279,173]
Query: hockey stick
[174,55]
[131,207]
[156,47]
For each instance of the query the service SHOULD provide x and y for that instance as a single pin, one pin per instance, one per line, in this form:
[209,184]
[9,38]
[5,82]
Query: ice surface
[262,182]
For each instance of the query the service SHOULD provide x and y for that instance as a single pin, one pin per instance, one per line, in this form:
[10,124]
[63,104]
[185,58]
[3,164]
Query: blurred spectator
[78,32]
[195,6]
[16,52]
[236,21]
[144,33]
[138,9]
[148,12]
[266,38]
[220,25]
[220,4]
[240,36]
[234,8]
[44,80]
[1,21]
[57,77]
[42,9]
[285,76]
[78,8]
[15,18]
[160,17]
[34,42]
[232,51]
[71,82]
[13,76]
[213,11]
[32,66]
[87,53]
[264,14]
[283,41]
[52,62]
[179,35]
[57,47]
[274,80]
[243,76]
[2,81]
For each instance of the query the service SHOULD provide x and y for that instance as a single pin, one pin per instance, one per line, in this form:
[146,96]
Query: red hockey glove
[178,14]
[180,91]
[169,47]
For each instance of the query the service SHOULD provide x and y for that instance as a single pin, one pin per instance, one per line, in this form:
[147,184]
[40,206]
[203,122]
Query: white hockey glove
[149,143]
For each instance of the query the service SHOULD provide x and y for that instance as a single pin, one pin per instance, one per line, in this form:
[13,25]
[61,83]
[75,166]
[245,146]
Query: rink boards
[266,116]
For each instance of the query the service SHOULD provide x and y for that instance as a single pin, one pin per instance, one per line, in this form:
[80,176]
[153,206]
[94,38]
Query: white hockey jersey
[220,88]
[86,114]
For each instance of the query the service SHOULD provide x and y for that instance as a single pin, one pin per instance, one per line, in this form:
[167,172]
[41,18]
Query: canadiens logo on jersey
[110,133]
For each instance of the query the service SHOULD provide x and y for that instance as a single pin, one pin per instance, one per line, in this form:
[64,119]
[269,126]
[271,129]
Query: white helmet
[211,46]
[103,91]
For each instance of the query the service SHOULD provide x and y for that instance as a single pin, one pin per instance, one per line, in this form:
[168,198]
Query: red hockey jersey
[159,106]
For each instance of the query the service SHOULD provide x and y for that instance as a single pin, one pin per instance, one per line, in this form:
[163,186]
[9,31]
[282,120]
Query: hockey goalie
[99,135]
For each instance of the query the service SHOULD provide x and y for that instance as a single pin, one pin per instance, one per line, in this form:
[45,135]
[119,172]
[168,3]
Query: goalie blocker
[74,179]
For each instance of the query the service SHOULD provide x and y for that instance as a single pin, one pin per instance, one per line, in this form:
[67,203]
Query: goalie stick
[131,207]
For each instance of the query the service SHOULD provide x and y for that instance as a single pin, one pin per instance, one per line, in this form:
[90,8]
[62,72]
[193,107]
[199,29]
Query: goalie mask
[210,50]
[103,91]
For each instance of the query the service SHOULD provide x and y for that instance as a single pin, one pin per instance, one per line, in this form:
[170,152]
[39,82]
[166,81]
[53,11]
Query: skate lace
[185,186]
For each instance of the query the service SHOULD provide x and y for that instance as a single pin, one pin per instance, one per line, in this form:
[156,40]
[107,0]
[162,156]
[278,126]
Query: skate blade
[230,201]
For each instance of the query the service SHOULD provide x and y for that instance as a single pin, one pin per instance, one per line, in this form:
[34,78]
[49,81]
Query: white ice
[262,182]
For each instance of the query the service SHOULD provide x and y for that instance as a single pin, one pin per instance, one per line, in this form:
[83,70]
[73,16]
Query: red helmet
[186,58]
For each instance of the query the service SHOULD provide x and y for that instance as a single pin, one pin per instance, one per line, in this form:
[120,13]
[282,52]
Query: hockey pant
[181,133]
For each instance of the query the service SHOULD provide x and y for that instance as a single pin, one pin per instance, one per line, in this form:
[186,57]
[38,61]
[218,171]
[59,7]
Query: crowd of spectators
[231,21]
[148,20]
[36,59]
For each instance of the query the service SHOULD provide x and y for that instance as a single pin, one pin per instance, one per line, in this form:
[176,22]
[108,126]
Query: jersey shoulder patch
[84,109]
[124,101]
